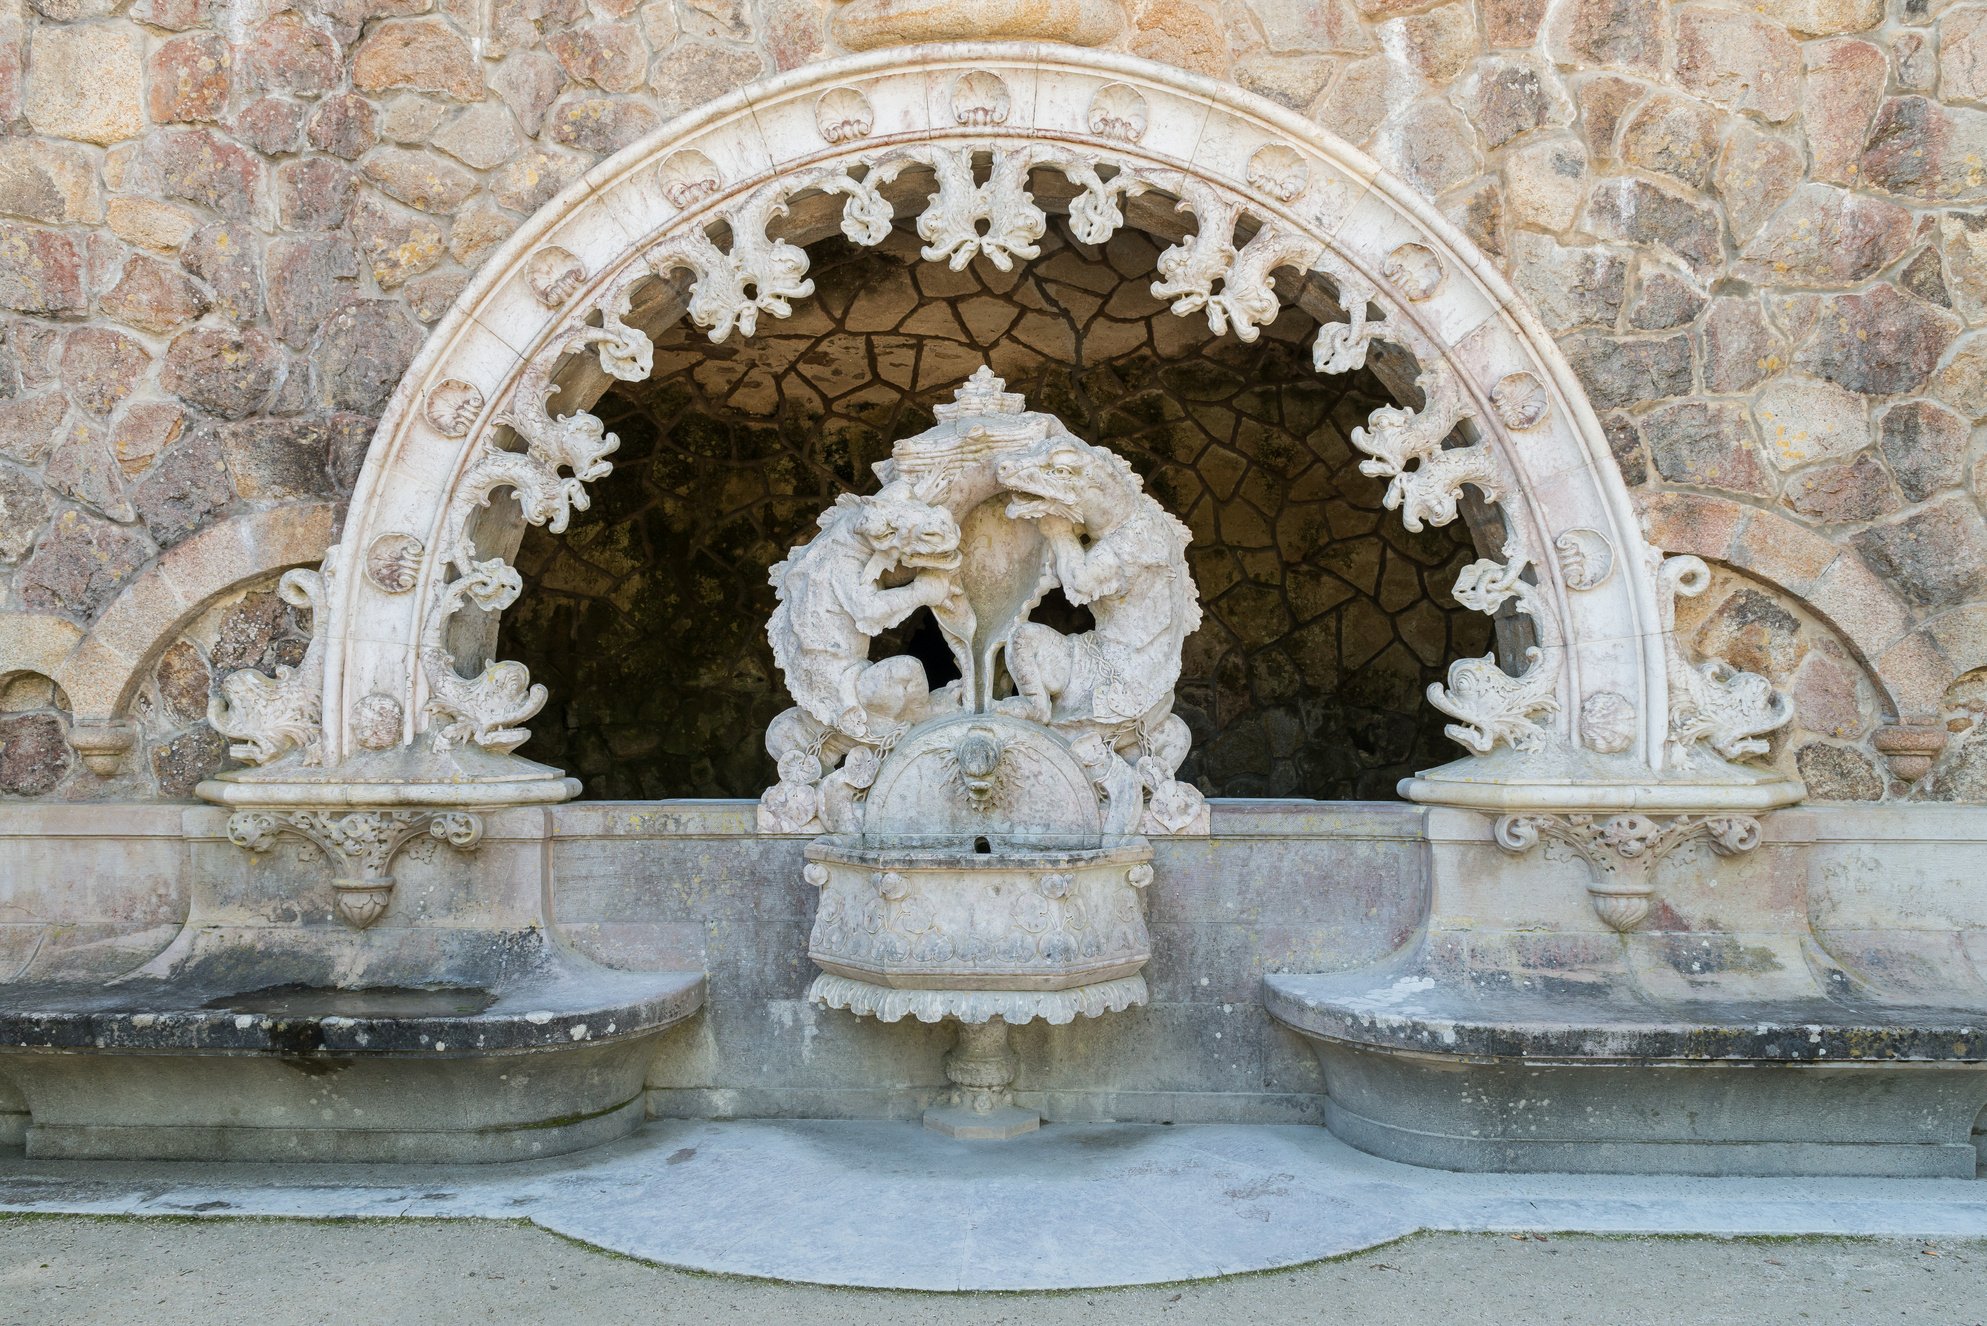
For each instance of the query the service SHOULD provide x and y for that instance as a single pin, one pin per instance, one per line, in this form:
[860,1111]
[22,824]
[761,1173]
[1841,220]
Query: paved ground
[66,1270]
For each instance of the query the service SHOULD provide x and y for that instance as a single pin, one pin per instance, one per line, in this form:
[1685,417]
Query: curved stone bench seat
[547,1056]
[1504,1072]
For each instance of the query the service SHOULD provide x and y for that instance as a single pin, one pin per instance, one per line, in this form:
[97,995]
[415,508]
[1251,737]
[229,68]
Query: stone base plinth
[969,1125]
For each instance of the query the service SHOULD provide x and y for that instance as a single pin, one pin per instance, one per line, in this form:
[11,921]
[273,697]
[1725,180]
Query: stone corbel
[1621,851]
[1911,745]
[103,744]
[360,845]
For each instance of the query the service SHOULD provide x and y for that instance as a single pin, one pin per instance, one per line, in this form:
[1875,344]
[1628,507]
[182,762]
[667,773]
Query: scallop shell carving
[1118,111]
[844,115]
[377,721]
[1415,271]
[688,177]
[980,100]
[393,562]
[554,275]
[1586,558]
[1520,400]
[1277,170]
[453,406]
[1607,723]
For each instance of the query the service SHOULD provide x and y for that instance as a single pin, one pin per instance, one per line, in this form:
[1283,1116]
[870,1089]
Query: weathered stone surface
[271,125]
[40,271]
[310,278]
[1569,287]
[314,193]
[609,56]
[1963,245]
[87,82]
[1879,342]
[1707,444]
[54,183]
[1963,55]
[1642,212]
[186,486]
[226,370]
[34,754]
[223,255]
[1477,210]
[1826,18]
[189,79]
[1827,236]
[528,183]
[1743,62]
[1623,373]
[1839,100]
[1545,183]
[287,54]
[184,681]
[144,430]
[24,509]
[343,126]
[1672,135]
[151,224]
[529,81]
[1754,175]
[690,74]
[78,564]
[1844,494]
[1936,556]
[1924,276]
[1916,59]
[1599,34]
[1604,100]
[180,764]
[1925,445]
[1436,43]
[1838,773]
[1291,80]
[81,468]
[284,459]
[422,55]
[598,124]
[428,297]
[1920,149]
[102,367]
[1754,633]
[1665,300]
[152,296]
[364,349]
[172,15]
[480,137]
[1506,97]
[419,179]
[394,244]
[412,120]
[1432,146]
[199,166]
[476,232]
[28,424]
[1625,444]
[1962,383]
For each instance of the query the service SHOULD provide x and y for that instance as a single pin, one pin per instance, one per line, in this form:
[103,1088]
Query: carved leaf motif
[1206,271]
[1489,704]
[487,708]
[1397,439]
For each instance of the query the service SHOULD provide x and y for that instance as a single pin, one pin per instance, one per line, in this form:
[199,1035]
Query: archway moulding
[978,144]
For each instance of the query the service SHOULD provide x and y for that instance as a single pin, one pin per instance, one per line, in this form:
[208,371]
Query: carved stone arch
[709,219]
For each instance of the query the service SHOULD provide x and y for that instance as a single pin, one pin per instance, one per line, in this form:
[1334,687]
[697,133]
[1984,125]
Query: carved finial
[983,394]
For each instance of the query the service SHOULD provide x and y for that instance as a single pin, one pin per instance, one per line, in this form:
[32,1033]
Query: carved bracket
[361,844]
[1621,851]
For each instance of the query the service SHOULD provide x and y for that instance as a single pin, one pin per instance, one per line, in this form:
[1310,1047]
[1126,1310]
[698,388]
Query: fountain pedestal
[982,857]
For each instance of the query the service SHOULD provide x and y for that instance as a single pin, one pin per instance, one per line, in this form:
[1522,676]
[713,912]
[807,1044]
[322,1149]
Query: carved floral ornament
[1265,204]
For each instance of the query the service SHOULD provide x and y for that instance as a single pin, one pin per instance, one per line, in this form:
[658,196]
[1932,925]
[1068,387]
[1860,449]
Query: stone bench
[1506,1072]
[227,1056]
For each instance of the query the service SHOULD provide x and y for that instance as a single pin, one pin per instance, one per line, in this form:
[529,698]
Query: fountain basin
[1012,931]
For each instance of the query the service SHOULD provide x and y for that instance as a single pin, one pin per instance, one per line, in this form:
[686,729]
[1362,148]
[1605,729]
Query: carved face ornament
[909,534]
[1055,481]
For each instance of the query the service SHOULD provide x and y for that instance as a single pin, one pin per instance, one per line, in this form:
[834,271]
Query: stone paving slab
[890,1205]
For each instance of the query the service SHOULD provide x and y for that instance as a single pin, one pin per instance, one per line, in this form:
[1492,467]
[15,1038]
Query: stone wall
[1754,230]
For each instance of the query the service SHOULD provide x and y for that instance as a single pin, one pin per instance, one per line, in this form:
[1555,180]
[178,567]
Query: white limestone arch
[710,216]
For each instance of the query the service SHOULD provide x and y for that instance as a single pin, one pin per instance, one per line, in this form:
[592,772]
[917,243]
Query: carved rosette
[360,844]
[1621,851]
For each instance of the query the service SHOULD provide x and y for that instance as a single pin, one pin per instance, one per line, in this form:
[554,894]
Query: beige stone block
[1779,551]
[87,82]
[1805,420]
[1692,523]
[151,224]
[1545,182]
[1855,601]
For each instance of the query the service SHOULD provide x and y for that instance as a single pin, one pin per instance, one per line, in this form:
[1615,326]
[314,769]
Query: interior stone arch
[1326,619]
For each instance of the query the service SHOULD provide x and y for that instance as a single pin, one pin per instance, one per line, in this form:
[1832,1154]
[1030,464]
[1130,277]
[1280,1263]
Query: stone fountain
[984,844]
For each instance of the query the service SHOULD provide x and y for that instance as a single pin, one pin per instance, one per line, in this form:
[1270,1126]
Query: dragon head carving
[1062,476]
[904,532]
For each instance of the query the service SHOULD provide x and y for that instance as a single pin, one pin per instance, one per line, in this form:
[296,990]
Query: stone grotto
[1407,576]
